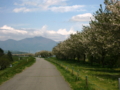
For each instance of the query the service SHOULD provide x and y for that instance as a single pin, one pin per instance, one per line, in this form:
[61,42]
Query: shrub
[4,62]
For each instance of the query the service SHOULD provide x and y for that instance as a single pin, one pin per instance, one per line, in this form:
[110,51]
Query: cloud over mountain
[7,32]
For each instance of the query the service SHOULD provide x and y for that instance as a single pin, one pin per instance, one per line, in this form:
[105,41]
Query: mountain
[28,44]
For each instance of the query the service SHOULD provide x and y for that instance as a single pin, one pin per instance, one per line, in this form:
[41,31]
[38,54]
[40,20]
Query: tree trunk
[78,58]
[91,59]
[84,57]
[74,57]
[103,59]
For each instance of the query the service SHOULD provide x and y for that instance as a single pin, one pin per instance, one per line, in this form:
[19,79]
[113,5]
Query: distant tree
[1,52]
[9,56]
[44,54]
[4,62]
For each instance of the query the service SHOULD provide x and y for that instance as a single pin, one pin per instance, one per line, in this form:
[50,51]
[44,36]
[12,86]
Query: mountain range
[32,45]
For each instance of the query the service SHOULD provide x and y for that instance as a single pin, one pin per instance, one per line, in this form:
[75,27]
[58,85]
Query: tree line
[97,43]
[44,54]
[5,59]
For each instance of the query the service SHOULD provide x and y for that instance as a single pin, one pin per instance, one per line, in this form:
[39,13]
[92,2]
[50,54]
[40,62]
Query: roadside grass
[17,67]
[98,78]
[75,83]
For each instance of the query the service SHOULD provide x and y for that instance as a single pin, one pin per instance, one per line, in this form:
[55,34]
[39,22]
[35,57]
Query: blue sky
[54,19]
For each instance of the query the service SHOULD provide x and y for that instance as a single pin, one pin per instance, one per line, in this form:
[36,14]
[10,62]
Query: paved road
[40,76]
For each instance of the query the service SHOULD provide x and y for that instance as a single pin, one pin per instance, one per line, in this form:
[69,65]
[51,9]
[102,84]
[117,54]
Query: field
[97,78]
[18,65]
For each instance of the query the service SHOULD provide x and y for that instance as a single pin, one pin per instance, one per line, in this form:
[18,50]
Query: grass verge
[75,83]
[98,78]
[18,66]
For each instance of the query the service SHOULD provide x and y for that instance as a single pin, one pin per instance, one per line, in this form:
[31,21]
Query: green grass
[98,78]
[75,83]
[18,66]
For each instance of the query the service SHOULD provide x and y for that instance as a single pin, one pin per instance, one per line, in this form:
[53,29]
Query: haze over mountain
[28,44]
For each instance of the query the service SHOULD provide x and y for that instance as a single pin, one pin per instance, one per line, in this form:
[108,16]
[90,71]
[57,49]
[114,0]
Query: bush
[1,52]
[4,62]
[10,56]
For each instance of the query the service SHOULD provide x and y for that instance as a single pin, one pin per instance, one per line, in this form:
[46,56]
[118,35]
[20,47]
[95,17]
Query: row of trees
[5,59]
[44,54]
[99,42]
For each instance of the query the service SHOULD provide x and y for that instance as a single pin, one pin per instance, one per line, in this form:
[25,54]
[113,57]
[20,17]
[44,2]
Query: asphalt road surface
[42,75]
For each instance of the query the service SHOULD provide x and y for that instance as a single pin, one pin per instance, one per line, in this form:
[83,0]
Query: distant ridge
[32,45]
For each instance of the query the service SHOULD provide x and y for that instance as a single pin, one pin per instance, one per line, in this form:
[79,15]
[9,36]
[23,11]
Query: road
[42,75]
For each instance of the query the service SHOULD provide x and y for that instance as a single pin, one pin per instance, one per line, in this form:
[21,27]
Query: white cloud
[82,17]
[45,5]
[6,27]
[48,3]
[62,31]
[65,32]
[7,32]
[67,8]
[23,9]
[41,2]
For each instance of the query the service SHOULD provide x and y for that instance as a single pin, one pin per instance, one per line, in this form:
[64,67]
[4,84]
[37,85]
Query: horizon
[30,38]
[30,45]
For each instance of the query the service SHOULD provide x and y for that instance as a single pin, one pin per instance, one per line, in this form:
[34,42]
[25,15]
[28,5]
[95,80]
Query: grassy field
[17,67]
[98,78]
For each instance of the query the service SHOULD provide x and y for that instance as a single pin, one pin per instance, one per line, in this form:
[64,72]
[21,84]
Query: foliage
[10,56]
[43,54]
[5,60]
[1,52]
[99,42]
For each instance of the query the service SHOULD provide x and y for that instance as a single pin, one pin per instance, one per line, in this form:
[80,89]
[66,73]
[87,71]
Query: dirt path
[40,76]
